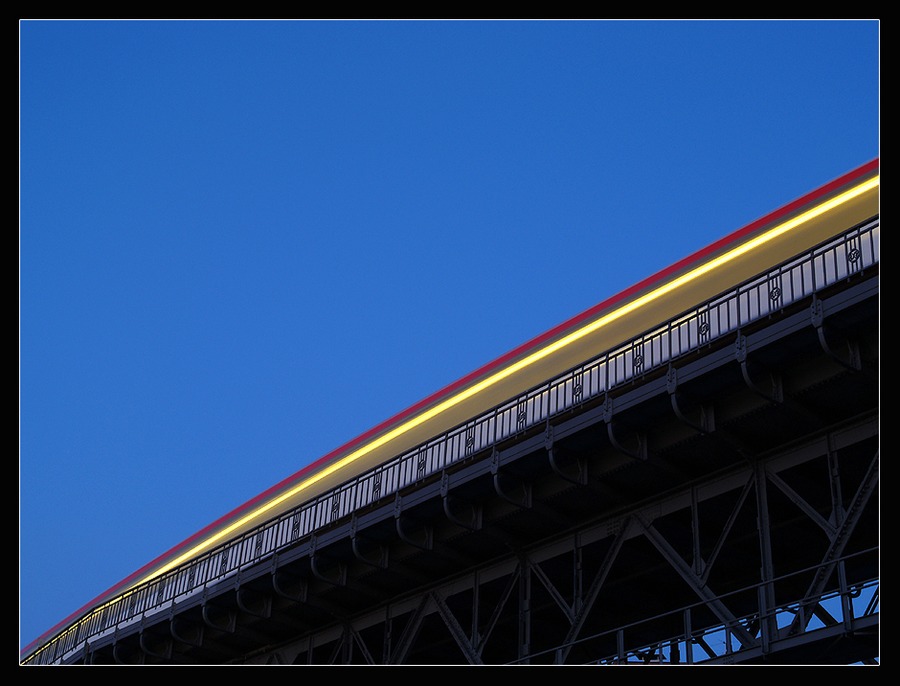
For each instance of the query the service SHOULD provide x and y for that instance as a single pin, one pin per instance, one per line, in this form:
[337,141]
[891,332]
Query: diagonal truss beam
[594,591]
[713,602]
[456,631]
[838,542]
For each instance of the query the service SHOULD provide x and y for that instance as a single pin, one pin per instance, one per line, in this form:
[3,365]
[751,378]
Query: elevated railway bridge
[705,491]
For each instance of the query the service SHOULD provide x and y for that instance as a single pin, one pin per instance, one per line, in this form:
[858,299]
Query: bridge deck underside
[682,518]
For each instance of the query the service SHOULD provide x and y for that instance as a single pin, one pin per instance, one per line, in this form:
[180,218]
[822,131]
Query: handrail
[852,602]
[854,251]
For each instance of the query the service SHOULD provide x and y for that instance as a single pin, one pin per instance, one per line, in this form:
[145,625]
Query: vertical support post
[688,636]
[578,580]
[386,644]
[476,602]
[846,600]
[764,620]
[695,532]
[766,595]
[524,611]
[674,652]
[346,646]
[837,500]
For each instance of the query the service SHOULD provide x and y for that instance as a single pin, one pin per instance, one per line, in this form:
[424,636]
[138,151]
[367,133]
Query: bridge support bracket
[161,649]
[706,423]
[460,512]
[289,586]
[577,468]
[775,392]
[357,543]
[851,359]
[336,576]
[639,452]
[254,603]
[219,618]
[185,631]
[414,533]
[522,497]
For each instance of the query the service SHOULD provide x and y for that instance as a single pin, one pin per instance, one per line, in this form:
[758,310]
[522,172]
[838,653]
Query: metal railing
[784,623]
[854,251]
[760,632]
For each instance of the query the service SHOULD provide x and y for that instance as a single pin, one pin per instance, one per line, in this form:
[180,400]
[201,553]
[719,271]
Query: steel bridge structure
[706,493]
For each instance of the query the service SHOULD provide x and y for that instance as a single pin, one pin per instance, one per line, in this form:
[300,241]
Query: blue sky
[244,243]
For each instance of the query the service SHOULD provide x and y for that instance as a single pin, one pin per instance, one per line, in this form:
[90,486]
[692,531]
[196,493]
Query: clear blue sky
[242,244]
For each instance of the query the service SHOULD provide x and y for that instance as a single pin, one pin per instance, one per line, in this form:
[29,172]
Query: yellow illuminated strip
[527,361]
